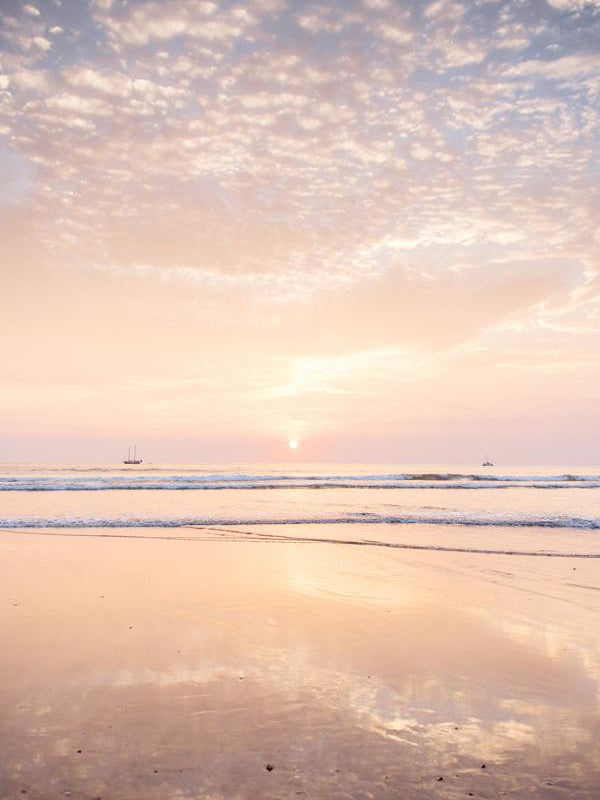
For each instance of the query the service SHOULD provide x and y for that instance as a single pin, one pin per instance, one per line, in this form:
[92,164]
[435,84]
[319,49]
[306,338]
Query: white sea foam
[174,496]
[480,519]
[141,480]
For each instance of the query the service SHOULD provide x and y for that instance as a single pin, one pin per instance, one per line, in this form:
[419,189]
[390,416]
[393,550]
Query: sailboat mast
[132,456]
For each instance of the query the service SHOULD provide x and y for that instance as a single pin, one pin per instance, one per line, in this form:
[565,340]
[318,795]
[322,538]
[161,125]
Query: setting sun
[294,444]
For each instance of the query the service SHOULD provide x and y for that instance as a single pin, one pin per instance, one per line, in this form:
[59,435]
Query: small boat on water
[132,459]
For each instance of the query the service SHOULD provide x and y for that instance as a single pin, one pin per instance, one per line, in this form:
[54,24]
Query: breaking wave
[479,519]
[140,480]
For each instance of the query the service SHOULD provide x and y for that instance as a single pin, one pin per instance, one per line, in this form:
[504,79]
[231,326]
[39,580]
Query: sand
[149,668]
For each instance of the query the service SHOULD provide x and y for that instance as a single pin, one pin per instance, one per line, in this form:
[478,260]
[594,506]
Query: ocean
[533,510]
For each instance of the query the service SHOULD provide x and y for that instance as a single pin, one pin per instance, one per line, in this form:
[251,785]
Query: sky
[369,226]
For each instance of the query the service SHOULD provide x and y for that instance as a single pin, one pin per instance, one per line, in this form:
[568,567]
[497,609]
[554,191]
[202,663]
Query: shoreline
[254,533]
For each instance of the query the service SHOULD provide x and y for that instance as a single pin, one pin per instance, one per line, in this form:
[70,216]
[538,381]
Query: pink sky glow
[370,226]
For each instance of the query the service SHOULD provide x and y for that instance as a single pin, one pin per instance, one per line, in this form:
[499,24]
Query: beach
[328,660]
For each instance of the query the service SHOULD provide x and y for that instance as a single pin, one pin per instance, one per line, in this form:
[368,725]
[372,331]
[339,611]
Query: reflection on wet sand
[161,669]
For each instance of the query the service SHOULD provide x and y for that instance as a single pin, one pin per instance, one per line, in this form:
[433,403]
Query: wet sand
[149,668]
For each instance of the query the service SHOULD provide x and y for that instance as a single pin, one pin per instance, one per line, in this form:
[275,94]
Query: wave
[471,519]
[249,481]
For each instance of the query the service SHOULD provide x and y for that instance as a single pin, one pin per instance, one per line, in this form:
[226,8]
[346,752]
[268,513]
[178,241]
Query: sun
[294,444]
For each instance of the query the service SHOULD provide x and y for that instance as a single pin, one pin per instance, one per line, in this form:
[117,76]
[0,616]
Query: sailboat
[132,459]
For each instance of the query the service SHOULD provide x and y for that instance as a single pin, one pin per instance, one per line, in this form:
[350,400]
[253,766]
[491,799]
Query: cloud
[118,85]
[35,42]
[316,24]
[573,5]
[31,79]
[444,10]
[153,21]
[302,166]
[568,67]
[460,54]
[394,33]
[78,104]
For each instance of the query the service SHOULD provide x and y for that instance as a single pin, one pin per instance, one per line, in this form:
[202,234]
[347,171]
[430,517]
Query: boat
[132,459]
[487,464]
